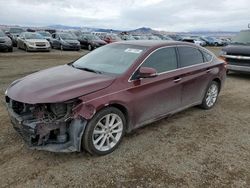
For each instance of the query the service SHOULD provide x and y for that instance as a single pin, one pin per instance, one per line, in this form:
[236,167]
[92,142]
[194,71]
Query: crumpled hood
[57,84]
[237,49]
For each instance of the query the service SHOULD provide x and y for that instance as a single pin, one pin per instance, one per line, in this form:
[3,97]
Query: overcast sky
[169,15]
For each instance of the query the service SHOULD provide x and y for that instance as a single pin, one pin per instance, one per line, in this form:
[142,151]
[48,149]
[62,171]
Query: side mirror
[147,72]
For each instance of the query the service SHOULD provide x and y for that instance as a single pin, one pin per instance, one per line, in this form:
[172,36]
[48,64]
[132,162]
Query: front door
[157,96]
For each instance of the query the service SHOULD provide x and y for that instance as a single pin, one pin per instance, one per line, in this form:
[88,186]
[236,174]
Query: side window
[207,56]
[189,56]
[162,60]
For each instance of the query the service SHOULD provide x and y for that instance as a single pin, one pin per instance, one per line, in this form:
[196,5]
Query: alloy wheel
[107,132]
[212,95]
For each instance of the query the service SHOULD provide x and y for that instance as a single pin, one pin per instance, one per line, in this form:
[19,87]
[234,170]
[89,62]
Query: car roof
[155,43]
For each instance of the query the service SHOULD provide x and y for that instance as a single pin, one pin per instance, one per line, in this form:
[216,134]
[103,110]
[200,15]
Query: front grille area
[40,44]
[239,54]
[19,107]
[238,62]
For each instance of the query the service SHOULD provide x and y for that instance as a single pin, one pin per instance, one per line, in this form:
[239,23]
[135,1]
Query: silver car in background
[32,41]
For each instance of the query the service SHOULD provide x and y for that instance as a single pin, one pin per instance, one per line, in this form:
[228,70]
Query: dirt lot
[194,148]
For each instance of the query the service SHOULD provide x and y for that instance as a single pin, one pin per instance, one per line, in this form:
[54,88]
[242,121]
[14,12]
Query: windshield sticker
[132,50]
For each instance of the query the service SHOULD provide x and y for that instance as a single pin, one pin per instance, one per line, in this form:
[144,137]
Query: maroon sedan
[91,103]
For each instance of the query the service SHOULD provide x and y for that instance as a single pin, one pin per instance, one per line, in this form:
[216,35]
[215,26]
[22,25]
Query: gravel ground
[194,148]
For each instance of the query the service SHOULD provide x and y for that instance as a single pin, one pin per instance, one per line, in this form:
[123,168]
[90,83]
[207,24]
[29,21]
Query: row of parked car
[75,40]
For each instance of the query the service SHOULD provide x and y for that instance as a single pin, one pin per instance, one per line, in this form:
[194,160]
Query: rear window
[189,56]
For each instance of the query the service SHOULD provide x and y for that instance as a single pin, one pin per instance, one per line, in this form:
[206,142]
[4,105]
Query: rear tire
[211,95]
[61,47]
[10,49]
[104,131]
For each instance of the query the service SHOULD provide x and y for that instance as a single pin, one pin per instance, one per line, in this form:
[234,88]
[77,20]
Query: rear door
[155,97]
[196,73]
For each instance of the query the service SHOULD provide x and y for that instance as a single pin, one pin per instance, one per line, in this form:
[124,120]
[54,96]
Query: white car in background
[195,41]
[32,41]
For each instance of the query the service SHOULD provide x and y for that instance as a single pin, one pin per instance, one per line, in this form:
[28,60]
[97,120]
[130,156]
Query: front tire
[26,48]
[211,95]
[61,47]
[10,49]
[104,131]
[90,48]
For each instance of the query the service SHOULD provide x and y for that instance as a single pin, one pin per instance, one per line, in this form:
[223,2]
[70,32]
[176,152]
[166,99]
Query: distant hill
[142,30]
[63,27]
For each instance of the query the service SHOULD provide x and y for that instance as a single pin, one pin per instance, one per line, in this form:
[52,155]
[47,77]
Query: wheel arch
[218,81]
[123,109]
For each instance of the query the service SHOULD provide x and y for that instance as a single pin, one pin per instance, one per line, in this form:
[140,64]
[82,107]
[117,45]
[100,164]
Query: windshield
[91,37]
[2,34]
[67,36]
[45,34]
[243,38]
[16,30]
[33,36]
[110,59]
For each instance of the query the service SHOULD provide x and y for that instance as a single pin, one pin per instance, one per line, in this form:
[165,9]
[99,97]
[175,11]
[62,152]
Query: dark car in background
[237,53]
[13,33]
[45,34]
[32,41]
[5,42]
[91,103]
[126,37]
[65,41]
[175,37]
[90,41]
[140,37]
[153,37]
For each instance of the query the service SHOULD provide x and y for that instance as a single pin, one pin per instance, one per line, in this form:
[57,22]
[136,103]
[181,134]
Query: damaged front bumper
[55,136]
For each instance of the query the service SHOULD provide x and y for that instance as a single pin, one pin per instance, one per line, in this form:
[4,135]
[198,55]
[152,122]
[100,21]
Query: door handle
[208,70]
[177,80]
